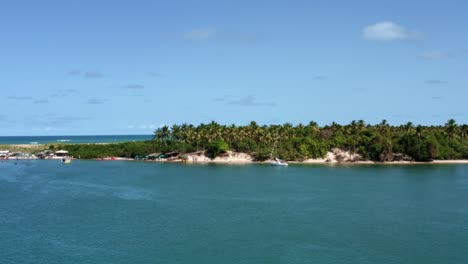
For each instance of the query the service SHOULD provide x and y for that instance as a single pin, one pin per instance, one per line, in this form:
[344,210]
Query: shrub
[217,147]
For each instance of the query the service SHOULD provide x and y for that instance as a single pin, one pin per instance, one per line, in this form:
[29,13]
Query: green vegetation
[380,142]
[217,147]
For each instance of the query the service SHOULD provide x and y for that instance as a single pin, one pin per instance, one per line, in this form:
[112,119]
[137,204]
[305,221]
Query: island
[356,142]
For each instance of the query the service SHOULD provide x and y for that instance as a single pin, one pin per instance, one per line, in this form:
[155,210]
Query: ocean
[141,212]
[72,139]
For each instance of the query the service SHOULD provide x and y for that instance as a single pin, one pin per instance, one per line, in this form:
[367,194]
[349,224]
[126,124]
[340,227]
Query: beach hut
[61,153]
[4,153]
[154,156]
[171,154]
[41,155]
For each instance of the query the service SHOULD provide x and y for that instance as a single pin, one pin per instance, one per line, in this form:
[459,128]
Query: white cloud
[200,34]
[388,31]
[433,55]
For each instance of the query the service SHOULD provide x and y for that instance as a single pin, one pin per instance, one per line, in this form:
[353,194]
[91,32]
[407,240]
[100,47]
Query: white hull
[278,163]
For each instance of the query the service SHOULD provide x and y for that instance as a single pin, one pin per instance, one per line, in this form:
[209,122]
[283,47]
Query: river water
[137,212]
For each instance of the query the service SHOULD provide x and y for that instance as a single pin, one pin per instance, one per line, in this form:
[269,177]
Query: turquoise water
[135,212]
[72,139]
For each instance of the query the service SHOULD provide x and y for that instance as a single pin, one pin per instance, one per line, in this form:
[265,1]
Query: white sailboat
[276,161]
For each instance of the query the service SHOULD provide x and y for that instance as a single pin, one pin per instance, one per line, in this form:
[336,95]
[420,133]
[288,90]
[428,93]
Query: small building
[154,156]
[61,153]
[4,153]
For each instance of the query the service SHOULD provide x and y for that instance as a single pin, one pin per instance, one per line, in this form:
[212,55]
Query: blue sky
[128,67]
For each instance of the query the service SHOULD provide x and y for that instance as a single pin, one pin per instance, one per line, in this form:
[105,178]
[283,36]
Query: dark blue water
[72,139]
[135,212]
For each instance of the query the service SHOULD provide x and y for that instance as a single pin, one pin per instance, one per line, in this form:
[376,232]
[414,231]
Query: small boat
[278,162]
[65,160]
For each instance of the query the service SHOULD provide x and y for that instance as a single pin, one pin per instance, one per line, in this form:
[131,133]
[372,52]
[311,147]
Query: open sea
[138,212]
[4,140]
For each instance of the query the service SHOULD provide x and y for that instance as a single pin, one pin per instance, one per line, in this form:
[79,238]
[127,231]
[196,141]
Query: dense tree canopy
[380,142]
[374,142]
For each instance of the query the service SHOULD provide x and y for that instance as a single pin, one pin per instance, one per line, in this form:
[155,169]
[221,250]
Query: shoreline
[234,158]
[226,162]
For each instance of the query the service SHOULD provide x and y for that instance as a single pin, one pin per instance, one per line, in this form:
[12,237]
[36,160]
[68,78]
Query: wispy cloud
[95,101]
[154,74]
[74,72]
[41,101]
[400,116]
[133,86]
[69,90]
[63,120]
[434,81]
[219,99]
[437,98]
[143,126]
[63,92]
[249,100]
[388,31]
[93,75]
[433,55]
[52,120]
[200,34]
[19,98]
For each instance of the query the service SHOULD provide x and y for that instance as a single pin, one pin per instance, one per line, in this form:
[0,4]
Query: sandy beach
[335,157]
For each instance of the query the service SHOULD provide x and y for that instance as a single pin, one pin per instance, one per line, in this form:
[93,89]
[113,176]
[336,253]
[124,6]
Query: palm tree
[384,128]
[313,128]
[176,133]
[361,125]
[451,128]
[162,134]
[419,134]
[464,131]
[409,127]
[335,126]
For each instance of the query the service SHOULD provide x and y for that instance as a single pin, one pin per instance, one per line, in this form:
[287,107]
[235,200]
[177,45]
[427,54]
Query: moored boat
[278,162]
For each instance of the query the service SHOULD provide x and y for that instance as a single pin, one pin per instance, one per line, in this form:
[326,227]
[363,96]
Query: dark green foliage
[217,147]
[262,154]
[374,142]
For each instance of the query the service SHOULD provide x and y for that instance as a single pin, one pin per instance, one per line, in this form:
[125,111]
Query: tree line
[377,142]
